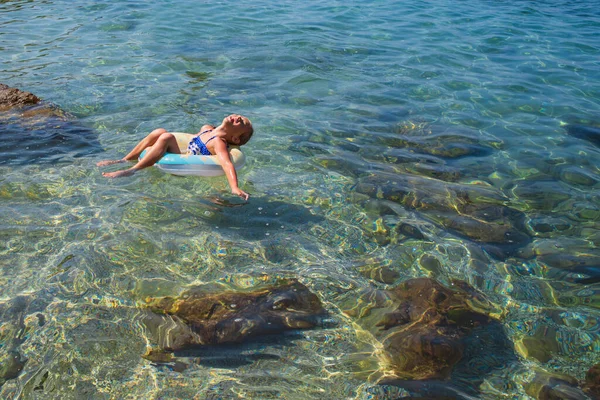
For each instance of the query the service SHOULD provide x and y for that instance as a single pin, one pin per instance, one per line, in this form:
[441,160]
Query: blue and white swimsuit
[197,147]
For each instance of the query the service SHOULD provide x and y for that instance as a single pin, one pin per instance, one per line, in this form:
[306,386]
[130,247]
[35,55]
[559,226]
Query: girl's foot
[109,162]
[119,174]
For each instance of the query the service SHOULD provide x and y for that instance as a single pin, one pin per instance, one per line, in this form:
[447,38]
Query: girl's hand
[241,193]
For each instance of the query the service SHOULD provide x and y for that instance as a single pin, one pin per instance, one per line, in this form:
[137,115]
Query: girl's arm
[220,149]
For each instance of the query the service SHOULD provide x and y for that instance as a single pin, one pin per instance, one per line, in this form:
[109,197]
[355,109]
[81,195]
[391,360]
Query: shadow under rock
[234,355]
[48,142]
[38,132]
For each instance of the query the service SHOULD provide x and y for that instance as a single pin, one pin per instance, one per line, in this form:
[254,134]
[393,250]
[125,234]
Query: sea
[448,141]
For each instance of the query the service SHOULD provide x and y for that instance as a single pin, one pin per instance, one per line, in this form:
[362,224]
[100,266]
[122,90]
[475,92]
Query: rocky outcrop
[12,97]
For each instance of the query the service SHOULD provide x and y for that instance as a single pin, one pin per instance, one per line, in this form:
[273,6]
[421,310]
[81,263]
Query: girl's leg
[137,150]
[146,142]
[166,142]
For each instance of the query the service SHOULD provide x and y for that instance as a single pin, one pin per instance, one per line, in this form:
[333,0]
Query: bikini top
[197,146]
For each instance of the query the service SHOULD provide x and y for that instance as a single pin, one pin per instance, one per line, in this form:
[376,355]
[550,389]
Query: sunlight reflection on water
[393,141]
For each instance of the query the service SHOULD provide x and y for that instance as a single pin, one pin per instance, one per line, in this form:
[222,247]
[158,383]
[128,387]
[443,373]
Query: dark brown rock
[592,382]
[426,350]
[209,316]
[12,97]
[431,264]
[461,305]
[421,325]
[410,231]
[11,365]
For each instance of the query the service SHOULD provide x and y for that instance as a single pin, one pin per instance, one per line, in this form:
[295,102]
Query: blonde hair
[245,138]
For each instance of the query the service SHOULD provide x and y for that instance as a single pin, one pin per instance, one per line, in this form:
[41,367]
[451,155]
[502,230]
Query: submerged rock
[578,176]
[550,386]
[11,338]
[585,132]
[216,315]
[440,141]
[411,231]
[11,365]
[19,317]
[541,346]
[422,325]
[431,264]
[474,212]
[498,225]
[542,195]
[34,131]
[592,382]
[437,171]
[566,256]
[342,163]
[379,273]
[549,226]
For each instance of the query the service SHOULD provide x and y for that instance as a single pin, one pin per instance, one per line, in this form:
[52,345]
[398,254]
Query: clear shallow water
[457,102]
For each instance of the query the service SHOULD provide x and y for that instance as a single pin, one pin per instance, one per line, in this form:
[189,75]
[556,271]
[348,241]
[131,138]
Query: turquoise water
[369,117]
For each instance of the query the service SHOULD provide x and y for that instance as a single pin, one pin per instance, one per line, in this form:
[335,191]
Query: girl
[234,130]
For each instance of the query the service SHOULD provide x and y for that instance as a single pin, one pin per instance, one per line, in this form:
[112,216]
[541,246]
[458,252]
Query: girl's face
[236,120]
[237,125]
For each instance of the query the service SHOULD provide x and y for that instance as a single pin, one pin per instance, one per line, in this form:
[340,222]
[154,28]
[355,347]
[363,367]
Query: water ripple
[393,140]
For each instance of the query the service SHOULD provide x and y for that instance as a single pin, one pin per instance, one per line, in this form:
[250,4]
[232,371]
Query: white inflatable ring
[186,164]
